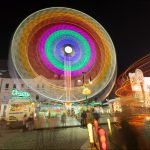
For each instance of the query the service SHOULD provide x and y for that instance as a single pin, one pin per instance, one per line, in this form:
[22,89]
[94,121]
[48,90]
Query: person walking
[89,116]
[63,118]
[83,119]
[25,122]
[96,114]
[30,122]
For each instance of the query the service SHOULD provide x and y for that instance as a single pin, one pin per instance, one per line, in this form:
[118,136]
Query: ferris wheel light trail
[67,77]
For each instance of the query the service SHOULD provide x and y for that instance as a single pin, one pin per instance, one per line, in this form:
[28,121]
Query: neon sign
[20,94]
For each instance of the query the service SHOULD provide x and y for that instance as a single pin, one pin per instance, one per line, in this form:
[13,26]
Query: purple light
[69,27]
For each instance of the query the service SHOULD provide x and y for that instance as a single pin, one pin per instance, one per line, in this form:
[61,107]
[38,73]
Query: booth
[19,105]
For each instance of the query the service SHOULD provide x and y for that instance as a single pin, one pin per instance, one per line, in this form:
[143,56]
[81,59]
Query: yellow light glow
[90,132]
[103,138]
[68,104]
[86,91]
[90,82]
[109,126]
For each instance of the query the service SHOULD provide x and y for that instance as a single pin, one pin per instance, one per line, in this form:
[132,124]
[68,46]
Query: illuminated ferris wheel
[67,51]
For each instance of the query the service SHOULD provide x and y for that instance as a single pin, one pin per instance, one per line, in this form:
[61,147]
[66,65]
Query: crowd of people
[88,116]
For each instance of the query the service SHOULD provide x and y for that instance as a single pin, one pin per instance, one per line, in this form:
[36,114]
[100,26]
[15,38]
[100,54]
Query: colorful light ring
[77,62]
[38,51]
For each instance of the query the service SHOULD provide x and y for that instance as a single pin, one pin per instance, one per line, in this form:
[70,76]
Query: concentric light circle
[48,38]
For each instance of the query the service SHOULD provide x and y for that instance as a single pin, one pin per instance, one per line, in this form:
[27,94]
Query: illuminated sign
[20,94]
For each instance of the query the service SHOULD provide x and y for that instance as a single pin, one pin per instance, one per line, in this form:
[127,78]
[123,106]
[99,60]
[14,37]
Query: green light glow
[17,94]
[54,61]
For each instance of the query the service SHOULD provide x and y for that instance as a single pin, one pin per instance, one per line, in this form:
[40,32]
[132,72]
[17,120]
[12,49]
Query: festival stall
[19,105]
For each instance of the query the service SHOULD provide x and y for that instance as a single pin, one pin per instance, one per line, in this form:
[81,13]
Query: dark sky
[128,23]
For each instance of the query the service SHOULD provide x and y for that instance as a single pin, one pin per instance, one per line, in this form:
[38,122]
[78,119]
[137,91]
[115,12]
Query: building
[7,84]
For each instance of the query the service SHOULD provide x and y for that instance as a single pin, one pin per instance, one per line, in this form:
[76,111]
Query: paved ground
[138,136]
[55,122]
[75,138]
[67,138]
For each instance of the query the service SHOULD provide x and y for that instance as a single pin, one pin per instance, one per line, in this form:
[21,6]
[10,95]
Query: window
[37,86]
[7,86]
[22,85]
[14,86]
[37,97]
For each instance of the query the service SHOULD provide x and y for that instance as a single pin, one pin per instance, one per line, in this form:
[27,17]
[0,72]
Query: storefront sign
[20,94]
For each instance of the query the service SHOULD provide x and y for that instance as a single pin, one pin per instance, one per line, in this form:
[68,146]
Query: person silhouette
[24,122]
[83,119]
[63,119]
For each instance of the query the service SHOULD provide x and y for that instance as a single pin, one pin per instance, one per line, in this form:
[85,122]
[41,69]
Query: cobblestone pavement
[65,139]
[55,122]
[74,138]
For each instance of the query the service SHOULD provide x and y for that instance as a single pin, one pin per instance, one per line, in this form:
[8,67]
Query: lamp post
[90,81]
[1,80]
[83,73]
[86,91]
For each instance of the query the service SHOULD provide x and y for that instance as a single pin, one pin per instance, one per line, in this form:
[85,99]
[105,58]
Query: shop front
[19,105]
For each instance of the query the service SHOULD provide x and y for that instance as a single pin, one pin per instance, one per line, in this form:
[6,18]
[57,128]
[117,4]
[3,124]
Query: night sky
[128,24]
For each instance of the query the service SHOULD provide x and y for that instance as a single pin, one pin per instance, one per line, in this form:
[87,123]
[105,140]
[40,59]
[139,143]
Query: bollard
[102,139]
[90,132]
[109,126]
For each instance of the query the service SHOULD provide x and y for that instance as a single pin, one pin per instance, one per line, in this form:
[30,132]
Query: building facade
[6,87]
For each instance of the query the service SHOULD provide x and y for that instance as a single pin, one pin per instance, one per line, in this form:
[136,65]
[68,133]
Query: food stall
[19,105]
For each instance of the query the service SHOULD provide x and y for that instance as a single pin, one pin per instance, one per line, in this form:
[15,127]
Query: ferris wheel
[57,47]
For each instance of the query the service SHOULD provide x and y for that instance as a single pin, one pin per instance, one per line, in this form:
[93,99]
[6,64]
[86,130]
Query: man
[24,121]
[96,114]
[83,119]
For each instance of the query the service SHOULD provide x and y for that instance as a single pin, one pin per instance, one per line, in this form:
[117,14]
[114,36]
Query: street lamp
[83,78]
[0,83]
[86,90]
[90,81]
